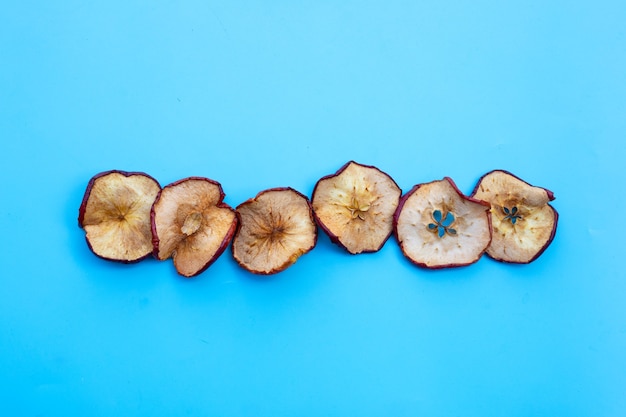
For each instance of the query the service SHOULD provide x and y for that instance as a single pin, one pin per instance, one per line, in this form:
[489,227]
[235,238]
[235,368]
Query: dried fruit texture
[192,224]
[276,228]
[115,214]
[355,207]
[438,227]
[524,223]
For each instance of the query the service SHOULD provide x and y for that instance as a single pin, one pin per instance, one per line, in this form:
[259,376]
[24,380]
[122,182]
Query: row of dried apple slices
[127,216]
[435,224]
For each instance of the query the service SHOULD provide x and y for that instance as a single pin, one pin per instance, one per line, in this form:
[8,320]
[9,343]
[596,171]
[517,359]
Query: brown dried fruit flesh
[192,224]
[524,224]
[439,227]
[355,207]
[115,214]
[275,229]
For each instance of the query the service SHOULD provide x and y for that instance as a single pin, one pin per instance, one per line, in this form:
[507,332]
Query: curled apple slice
[192,224]
[439,227]
[115,214]
[355,207]
[275,229]
[524,224]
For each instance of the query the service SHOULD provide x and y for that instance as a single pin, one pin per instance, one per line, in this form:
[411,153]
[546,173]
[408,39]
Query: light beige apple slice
[355,207]
[192,224]
[524,224]
[275,229]
[439,227]
[115,214]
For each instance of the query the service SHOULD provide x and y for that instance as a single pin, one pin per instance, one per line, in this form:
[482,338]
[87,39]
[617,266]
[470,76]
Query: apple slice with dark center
[275,229]
[524,224]
[439,227]
[192,224]
[355,207]
[115,214]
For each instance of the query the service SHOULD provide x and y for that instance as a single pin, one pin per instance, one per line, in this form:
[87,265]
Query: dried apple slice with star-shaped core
[524,224]
[275,229]
[192,224]
[439,227]
[115,214]
[355,207]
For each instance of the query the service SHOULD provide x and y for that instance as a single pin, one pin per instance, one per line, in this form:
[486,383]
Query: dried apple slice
[115,214]
[355,207]
[275,229]
[192,224]
[439,227]
[524,224]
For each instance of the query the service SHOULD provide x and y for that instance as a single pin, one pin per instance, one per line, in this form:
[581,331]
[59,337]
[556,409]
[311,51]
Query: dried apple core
[511,214]
[443,223]
[192,223]
[358,207]
[269,233]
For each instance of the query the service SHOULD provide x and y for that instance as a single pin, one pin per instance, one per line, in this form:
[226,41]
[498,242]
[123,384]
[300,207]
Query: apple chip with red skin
[192,224]
[439,227]
[355,207]
[524,224]
[115,214]
[275,229]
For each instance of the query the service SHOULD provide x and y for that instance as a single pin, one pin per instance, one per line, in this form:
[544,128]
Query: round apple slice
[192,224]
[524,224]
[439,227]
[355,207]
[275,229]
[115,214]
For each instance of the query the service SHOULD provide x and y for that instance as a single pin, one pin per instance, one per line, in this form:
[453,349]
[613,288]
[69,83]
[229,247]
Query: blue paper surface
[260,94]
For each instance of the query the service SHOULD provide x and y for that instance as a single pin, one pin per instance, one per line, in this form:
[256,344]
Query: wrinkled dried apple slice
[524,224]
[439,227]
[355,207]
[115,214]
[192,224]
[275,229]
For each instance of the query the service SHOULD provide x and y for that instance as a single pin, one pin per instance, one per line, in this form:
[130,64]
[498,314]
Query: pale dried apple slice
[275,229]
[439,227]
[192,224]
[115,214]
[524,224]
[355,207]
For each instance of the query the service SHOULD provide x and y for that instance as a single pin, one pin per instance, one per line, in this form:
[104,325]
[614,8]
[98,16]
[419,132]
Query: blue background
[259,94]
